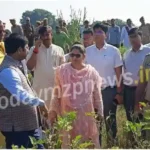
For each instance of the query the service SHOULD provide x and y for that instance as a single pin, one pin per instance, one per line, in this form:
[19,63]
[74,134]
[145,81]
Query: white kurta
[125,38]
[47,60]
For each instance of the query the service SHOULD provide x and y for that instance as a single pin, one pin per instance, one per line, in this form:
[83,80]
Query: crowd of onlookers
[116,35]
[92,77]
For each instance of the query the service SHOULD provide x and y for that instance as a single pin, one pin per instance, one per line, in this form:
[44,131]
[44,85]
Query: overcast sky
[97,9]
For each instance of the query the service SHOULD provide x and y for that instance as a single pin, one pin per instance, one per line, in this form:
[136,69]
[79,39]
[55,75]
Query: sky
[96,9]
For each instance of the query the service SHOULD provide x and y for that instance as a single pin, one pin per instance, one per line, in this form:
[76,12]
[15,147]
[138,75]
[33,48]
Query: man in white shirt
[124,34]
[85,27]
[133,60]
[106,59]
[148,45]
[43,59]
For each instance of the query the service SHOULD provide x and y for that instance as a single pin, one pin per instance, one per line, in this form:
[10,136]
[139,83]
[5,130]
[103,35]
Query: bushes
[53,137]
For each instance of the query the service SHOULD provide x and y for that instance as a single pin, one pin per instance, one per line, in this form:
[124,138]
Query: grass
[121,119]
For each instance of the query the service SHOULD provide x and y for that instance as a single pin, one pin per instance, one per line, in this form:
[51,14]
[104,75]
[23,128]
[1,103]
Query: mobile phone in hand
[115,102]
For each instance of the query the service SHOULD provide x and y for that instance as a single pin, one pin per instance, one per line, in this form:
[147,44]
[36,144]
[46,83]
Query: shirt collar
[43,46]
[104,47]
[141,48]
[12,61]
[114,26]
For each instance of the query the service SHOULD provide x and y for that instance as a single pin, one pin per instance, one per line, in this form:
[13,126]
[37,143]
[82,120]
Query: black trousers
[21,138]
[129,101]
[110,108]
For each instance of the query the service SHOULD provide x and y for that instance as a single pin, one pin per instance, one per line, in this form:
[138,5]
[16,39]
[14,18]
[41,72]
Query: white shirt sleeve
[118,59]
[10,79]
[122,35]
[62,56]
[25,67]
[30,53]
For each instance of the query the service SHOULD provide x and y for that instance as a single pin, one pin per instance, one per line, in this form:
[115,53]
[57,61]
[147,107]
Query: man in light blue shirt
[19,118]
[114,34]
[133,60]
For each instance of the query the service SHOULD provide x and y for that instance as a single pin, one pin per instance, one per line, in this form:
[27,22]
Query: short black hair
[80,47]
[13,42]
[88,31]
[44,29]
[57,27]
[141,18]
[86,21]
[102,26]
[134,31]
[129,20]
[112,19]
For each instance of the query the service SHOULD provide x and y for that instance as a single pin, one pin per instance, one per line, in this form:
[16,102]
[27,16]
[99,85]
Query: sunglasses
[75,55]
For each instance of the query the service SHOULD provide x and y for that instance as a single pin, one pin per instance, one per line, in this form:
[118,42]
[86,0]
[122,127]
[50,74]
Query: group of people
[117,36]
[92,78]
[60,37]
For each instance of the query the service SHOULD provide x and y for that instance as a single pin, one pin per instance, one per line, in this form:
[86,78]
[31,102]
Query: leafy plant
[122,50]
[53,137]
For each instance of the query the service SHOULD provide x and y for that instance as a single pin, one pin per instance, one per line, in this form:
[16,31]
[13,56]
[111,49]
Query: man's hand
[52,117]
[119,99]
[137,111]
[44,111]
[38,43]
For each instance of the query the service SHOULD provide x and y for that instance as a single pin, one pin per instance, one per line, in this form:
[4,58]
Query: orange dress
[80,91]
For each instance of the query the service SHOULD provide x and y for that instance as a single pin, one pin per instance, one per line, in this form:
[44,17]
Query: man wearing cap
[106,59]
[16,28]
[145,28]
[29,32]
[43,58]
[124,34]
[133,60]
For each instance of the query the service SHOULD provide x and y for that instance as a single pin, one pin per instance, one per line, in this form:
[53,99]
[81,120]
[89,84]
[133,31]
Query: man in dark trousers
[18,106]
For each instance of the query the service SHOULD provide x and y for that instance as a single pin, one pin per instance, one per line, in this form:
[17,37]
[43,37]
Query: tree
[38,15]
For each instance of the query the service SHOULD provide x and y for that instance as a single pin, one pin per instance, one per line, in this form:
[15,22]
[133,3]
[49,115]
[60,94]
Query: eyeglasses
[75,55]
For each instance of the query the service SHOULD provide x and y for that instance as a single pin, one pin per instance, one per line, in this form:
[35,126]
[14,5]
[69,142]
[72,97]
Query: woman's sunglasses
[75,55]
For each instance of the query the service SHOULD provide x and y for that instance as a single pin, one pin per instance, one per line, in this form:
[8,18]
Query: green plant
[122,50]
[53,137]
[77,144]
